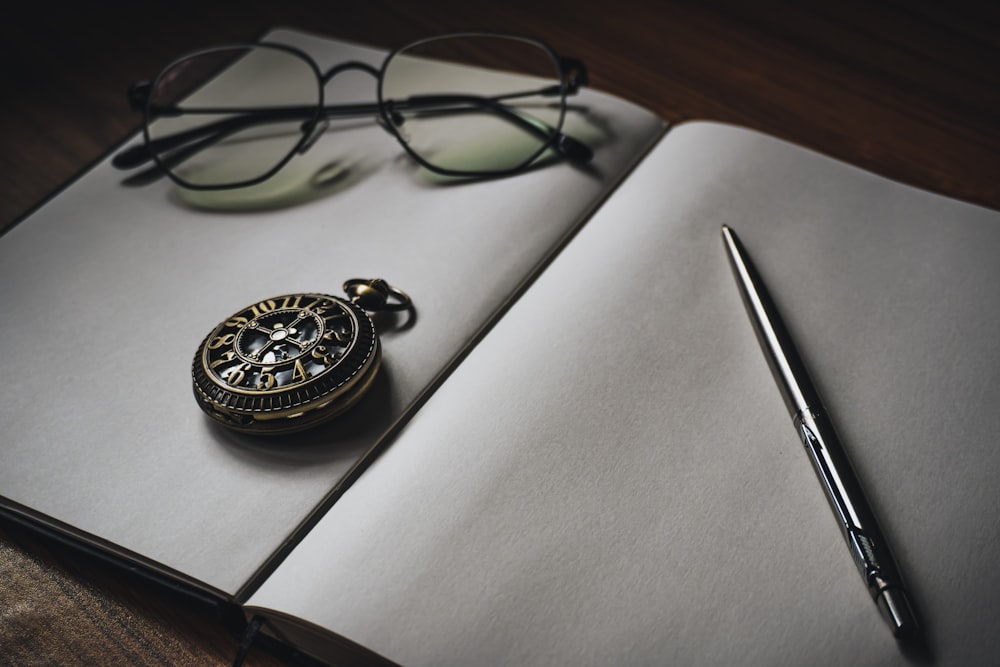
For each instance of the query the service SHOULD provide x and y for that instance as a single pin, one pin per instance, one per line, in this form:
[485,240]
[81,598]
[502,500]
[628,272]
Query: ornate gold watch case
[294,361]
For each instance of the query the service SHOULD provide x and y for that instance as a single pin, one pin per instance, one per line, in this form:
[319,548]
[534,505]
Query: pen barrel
[850,506]
[843,491]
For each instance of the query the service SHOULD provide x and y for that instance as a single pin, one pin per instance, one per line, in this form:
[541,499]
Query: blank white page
[611,477]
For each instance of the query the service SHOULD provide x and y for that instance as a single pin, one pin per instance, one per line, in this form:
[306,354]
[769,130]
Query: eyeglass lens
[473,104]
[235,129]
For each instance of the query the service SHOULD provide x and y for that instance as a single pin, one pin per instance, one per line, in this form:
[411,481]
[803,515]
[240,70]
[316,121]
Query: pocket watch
[293,361]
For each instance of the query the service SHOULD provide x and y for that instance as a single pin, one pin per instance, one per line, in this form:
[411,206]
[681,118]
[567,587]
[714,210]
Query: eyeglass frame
[571,72]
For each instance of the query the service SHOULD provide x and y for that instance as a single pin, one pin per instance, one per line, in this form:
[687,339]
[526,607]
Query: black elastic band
[249,634]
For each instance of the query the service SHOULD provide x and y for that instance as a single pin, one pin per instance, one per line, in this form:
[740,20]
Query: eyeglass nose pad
[394,125]
[317,131]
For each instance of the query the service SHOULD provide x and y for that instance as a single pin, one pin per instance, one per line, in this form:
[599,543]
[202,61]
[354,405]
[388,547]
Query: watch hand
[297,343]
[302,345]
[256,354]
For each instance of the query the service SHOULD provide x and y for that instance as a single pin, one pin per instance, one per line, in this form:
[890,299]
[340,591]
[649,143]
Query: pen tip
[895,609]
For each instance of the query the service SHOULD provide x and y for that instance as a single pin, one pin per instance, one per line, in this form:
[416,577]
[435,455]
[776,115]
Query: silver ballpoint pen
[857,523]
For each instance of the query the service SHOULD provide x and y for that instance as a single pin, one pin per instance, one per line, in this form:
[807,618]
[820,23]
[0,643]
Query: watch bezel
[292,407]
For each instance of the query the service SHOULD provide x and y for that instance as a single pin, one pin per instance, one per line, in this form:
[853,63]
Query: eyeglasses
[466,105]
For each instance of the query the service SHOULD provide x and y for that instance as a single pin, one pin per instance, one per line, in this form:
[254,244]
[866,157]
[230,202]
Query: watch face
[286,364]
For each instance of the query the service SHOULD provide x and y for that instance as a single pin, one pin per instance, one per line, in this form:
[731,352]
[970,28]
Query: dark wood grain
[907,90]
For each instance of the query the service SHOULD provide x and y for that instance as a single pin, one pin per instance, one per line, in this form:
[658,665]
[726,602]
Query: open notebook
[608,476]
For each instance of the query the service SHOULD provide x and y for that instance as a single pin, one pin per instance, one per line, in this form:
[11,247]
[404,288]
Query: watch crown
[376,294]
[368,294]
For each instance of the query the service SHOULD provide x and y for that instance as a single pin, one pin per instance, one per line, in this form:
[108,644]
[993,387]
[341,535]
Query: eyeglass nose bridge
[325,78]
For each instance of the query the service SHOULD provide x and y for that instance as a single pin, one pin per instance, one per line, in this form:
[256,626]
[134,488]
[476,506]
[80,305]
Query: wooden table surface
[909,90]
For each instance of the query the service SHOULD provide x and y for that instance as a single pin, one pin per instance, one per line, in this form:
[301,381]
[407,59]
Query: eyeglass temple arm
[168,160]
[138,95]
[570,148]
[142,153]
[574,73]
